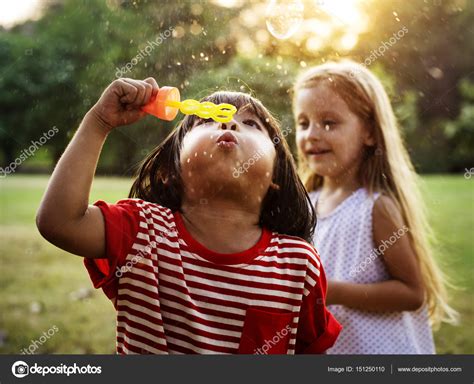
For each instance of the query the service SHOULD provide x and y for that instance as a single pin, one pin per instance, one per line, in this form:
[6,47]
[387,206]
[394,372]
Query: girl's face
[240,150]
[329,135]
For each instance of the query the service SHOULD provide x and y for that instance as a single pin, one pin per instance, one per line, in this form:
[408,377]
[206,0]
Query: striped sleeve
[121,228]
[317,328]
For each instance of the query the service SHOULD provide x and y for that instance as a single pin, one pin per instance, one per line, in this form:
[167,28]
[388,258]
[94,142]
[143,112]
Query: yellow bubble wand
[167,103]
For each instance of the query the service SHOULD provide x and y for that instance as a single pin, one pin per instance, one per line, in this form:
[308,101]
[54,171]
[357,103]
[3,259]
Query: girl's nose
[230,125]
[314,131]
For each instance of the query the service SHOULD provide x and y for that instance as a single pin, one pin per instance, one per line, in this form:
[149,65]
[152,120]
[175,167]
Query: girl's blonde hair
[386,168]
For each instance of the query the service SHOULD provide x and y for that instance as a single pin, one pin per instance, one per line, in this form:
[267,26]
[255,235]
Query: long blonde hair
[386,169]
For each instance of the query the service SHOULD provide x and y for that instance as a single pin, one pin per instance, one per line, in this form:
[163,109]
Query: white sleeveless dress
[344,240]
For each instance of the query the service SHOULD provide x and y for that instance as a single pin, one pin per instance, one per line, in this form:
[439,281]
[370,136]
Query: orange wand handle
[157,107]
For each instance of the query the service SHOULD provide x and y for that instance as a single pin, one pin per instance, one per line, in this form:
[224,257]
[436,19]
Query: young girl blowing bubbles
[197,260]
[371,233]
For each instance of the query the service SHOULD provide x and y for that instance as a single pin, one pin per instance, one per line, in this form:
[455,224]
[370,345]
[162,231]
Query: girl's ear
[369,139]
[274,186]
[164,178]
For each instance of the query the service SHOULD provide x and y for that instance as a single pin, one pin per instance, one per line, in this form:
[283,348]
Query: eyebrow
[320,113]
[244,108]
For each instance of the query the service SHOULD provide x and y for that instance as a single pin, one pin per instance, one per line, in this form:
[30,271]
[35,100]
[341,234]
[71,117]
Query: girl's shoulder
[137,210]
[387,212]
[143,205]
[382,206]
[359,201]
[298,246]
[360,192]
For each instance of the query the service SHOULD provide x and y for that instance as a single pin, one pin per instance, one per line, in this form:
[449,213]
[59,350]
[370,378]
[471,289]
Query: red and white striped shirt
[173,295]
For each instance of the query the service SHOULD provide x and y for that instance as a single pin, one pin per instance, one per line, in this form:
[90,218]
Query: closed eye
[252,123]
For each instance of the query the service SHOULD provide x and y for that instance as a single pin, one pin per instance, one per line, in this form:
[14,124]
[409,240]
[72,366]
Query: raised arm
[65,217]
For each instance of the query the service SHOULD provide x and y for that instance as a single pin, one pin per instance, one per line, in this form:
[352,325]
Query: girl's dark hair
[286,209]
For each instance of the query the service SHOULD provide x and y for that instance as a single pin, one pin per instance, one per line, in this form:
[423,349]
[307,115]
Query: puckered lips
[227,140]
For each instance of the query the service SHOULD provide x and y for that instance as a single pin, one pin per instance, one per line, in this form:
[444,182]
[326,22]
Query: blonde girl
[384,285]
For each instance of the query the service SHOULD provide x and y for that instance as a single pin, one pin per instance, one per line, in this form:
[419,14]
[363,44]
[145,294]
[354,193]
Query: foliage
[55,68]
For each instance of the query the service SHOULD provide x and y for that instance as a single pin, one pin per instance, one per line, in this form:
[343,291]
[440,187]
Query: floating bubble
[284,17]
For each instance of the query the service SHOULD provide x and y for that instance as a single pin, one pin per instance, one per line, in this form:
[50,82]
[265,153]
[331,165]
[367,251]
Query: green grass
[36,274]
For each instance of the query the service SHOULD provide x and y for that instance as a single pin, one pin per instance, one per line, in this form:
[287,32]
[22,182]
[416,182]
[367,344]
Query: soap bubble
[284,17]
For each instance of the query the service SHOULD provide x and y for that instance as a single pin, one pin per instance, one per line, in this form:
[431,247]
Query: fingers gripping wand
[167,103]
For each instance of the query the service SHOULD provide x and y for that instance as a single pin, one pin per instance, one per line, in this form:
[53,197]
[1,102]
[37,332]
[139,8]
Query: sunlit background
[318,18]
[14,12]
[56,57]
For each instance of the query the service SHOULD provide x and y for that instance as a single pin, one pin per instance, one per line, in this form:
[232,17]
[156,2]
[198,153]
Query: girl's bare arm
[65,217]
[404,291]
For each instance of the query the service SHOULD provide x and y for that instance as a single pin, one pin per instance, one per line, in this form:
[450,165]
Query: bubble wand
[167,103]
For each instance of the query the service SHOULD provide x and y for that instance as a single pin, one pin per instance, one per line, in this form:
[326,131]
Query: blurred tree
[200,42]
[428,61]
[54,69]
[15,89]
[460,132]
[269,79]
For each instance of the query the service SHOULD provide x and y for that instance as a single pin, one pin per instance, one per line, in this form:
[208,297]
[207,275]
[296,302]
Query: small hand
[121,102]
